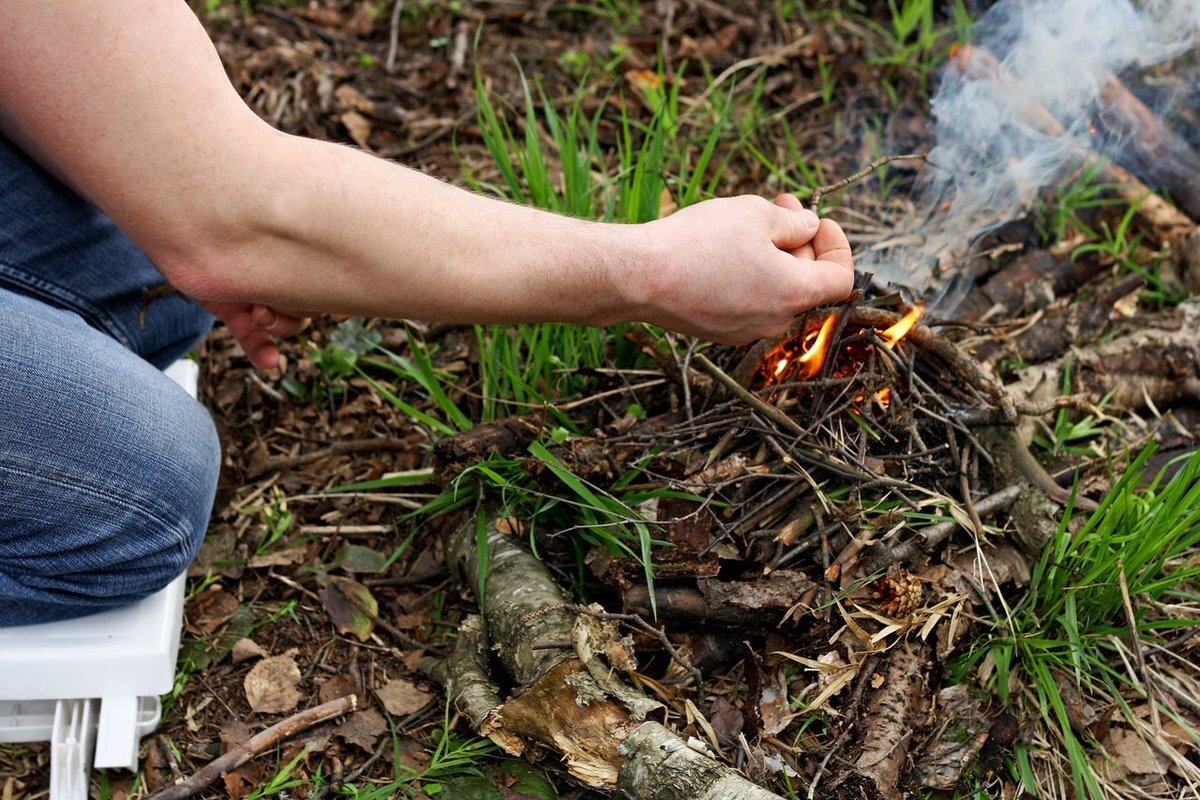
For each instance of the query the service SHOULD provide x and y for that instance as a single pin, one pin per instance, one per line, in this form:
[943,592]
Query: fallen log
[1149,147]
[894,712]
[1166,222]
[567,696]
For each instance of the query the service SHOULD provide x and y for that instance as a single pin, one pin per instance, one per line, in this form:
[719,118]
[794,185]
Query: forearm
[344,231]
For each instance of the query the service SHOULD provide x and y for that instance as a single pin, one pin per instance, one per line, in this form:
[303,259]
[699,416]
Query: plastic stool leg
[71,749]
[117,733]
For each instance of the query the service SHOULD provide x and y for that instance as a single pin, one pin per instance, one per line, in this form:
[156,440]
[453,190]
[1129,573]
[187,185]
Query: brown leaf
[359,128]
[351,606]
[338,686]
[1134,754]
[401,698]
[212,608]
[271,685]
[363,728]
[246,649]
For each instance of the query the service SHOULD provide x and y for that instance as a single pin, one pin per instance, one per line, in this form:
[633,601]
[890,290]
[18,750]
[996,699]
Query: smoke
[995,148]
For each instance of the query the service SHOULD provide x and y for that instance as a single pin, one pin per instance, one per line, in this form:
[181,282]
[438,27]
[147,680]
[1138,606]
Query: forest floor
[916,543]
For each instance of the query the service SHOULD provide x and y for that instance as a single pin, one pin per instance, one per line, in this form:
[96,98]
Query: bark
[1061,328]
[759,604]
[454,454]
[1158,361]
[567,695]
[658,765]
[1030,283]
[1150,148]
[892,714]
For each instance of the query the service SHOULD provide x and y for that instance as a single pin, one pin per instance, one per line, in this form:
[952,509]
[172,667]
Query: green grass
[1145,533]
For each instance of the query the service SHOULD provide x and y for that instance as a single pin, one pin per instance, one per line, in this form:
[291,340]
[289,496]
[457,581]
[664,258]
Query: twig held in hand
[821,191]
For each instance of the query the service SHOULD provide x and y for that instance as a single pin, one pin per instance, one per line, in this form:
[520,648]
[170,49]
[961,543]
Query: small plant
[1067,436]
[1140,544]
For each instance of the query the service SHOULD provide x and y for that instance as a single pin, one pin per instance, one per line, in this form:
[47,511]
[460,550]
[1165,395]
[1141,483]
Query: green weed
[1066,628]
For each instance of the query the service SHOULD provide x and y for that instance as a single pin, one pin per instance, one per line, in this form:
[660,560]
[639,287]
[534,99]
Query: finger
[792,225]
[830,244]
[278,323]
[805,252]
[815,283]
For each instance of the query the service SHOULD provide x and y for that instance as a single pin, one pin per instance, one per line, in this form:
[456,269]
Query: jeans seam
[101,491]
[54,293]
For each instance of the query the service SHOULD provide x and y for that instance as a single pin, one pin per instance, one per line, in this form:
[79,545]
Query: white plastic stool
[90,686]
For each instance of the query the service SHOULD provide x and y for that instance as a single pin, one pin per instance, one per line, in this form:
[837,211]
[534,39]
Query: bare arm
[129,102]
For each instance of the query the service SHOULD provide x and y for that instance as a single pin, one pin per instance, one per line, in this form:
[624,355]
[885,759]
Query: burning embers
[811,355]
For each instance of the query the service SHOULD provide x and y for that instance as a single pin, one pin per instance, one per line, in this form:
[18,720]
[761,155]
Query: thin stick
[256,745]
[820,191]
[351,447]
[394,37]
[1135,638]
[758,404]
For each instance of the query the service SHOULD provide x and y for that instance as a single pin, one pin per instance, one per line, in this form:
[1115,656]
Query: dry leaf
[271,685]
[1134,754]
[338,686]
[363,728]
[359,128]
[351,606]
[212,608]
[246,649]
[401,698]
[279,558]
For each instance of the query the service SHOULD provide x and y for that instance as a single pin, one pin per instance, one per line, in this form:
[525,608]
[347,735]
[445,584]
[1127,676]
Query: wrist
[635,261]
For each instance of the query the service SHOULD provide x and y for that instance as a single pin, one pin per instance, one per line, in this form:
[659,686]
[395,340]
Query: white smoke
[991,155]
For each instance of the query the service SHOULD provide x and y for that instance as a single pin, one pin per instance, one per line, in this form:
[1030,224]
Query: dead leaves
[351,606]
[363,728]
[271,685]
[401,698]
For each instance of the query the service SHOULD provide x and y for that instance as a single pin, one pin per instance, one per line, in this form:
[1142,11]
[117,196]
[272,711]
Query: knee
[174,503]
[118,528]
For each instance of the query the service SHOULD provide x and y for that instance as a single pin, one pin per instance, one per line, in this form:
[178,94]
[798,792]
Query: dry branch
[1166,222]
[256,745]
[568,700]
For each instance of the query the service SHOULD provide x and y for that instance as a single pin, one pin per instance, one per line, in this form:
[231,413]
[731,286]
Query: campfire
[809,355]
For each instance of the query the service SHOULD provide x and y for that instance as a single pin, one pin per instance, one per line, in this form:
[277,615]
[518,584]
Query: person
[128,161]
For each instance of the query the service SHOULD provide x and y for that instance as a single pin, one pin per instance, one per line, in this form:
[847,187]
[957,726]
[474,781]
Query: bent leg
[107,468]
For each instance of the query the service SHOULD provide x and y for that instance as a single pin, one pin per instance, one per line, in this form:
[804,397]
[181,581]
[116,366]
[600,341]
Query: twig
[820,191]
[256,745]
[303,24]
[149,295]
[352,446]
[394,37]
[882,555]
[758,404]
[1136,641]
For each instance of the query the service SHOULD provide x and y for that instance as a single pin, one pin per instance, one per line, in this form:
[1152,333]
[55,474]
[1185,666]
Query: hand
[256,327]
[739,269]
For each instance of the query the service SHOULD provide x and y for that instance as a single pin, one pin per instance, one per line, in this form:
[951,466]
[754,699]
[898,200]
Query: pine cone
[899,593]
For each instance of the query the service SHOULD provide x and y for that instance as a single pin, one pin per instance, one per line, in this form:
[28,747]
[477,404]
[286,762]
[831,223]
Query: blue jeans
[107,468]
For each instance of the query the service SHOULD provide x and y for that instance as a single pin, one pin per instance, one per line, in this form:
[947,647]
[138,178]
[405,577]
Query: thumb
[792,224]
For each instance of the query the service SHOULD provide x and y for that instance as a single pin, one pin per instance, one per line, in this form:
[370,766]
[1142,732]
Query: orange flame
[814,356]
[883,396]
[902,327]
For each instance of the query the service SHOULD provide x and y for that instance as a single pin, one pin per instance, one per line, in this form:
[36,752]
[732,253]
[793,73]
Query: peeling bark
[658,765]
[892,714]
[567,696]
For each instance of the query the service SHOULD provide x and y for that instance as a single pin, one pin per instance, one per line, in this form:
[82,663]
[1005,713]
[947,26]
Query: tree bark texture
[567,697]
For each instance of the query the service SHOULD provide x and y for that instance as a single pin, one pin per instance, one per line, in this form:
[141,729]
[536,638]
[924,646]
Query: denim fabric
[107,468]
